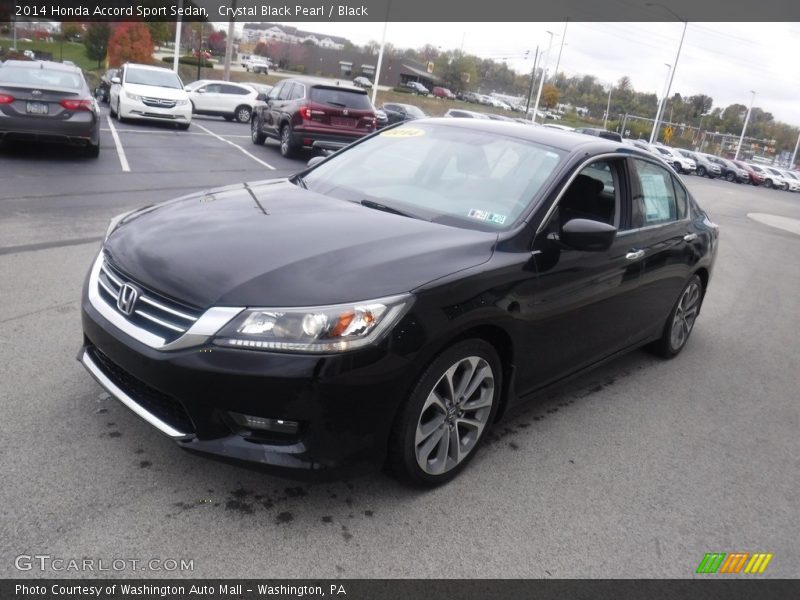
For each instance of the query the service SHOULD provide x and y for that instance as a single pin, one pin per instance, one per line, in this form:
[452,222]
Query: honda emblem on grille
[36,93]
[126,300]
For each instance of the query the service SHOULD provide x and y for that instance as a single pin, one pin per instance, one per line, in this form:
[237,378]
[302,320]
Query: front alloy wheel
[243,114]
[256,135]
[446,416]
[287,148]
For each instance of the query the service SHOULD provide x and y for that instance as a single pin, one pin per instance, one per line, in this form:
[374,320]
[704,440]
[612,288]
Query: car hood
[153,91]
[272,243]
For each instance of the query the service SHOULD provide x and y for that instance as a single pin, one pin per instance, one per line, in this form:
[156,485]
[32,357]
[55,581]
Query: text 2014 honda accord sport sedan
[391,302]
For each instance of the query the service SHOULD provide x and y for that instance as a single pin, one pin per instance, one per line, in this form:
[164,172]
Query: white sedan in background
[232,101]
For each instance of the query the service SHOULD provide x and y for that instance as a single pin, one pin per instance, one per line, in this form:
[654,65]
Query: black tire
[288,148]
[682,317]
[730,177]
[701,171]
[243,114]
[768,183]
[111,111]
[256,135]
[118,115]
[421,410]
[92,150]
[678,167]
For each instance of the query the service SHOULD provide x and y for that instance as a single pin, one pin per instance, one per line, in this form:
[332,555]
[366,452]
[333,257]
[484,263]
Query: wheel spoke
[444,451]
[424,451]
[425,430]
[479,376]
[455,446]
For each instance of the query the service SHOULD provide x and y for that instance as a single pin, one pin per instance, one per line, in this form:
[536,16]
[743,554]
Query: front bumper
[134,109]
[344,404]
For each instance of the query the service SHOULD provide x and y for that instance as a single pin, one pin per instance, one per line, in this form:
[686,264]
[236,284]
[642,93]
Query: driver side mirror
[116,80]
[588,235]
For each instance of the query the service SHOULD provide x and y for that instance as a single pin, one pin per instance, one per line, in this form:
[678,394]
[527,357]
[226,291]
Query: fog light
[265,424]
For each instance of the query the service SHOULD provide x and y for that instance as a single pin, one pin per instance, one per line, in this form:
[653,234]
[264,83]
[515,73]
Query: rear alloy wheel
[730,177]
[681,320]
[701,171]
[288,150]
[255,132]
[243,114]
[118,114]
[440,427]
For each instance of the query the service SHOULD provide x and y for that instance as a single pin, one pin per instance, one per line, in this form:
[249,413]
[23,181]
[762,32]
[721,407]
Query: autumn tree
[550,95]
[130,42]
[160,32]
[217,42]
[96,41]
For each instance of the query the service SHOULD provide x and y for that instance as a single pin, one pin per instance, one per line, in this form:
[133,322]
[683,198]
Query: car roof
[41,64]
[569,141]
[322,84]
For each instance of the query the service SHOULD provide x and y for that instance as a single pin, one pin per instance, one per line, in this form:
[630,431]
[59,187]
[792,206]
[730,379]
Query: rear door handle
[635,254]
[690,237]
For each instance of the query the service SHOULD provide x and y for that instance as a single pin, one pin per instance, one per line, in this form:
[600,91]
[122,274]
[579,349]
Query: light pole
[380,55]
[177,49]
[677,56]
[794,154]
[660,103]
[560,50]
[544,73]
[746,120]
[608,107]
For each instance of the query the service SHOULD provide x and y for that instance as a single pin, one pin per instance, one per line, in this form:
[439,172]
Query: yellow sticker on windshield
[403,132]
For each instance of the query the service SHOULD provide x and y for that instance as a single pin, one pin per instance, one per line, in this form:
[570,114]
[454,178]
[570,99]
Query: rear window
[341,98]
[414,111]
[41,77]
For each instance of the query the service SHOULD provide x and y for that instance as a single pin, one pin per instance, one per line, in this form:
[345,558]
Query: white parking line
[123,161]
[238,147]
[173,133]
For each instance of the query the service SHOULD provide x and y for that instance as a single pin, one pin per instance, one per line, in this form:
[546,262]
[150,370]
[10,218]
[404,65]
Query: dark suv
[304,114]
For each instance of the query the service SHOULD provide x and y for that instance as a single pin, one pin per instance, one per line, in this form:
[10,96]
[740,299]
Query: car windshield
[40,77]
[341,98]
[166,79]
[446,174]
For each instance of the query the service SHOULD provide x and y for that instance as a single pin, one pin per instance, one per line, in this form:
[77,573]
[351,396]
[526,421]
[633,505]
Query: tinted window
[235,89]
[414,111]
[286,91]
[41,77]
[657,200]
[340,98]
[681,198]
[298,91]
[592,195]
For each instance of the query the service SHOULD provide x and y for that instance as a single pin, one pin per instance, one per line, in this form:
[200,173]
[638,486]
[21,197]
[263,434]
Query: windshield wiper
[384,208]
[297,179]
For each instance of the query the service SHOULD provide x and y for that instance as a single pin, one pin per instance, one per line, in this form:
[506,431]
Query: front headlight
[319,329]
[181,102]
[133,97]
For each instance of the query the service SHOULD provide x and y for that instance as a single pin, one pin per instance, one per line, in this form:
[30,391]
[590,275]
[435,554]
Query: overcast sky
[722,60]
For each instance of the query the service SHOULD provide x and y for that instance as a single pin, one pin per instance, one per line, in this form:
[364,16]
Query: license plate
[343,122]
[37,108]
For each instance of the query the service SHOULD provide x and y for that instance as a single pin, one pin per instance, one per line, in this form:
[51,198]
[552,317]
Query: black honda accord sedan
[389,303]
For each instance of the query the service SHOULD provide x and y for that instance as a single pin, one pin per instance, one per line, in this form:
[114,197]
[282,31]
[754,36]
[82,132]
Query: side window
[681,199]
[286,91]
[657,199]
[273,93]
[235,90]
[594,194]
[298,90]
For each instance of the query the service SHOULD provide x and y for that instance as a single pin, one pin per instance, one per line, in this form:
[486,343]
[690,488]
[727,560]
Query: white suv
[257,64]
[679,162]
[149,93]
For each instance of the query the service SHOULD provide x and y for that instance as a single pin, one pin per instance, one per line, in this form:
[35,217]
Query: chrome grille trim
[159,102]
[195,333]
[167,309]
[158,321]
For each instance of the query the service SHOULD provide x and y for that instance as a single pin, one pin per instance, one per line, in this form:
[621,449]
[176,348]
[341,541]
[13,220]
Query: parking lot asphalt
[636,470]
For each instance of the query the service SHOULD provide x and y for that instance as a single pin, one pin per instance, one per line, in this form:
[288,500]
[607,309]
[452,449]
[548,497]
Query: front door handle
[635,254]
[690,237]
